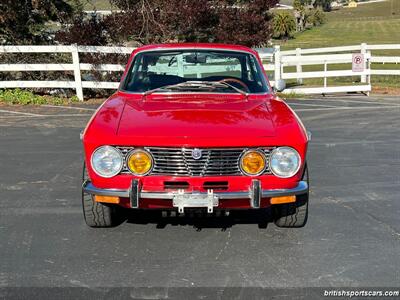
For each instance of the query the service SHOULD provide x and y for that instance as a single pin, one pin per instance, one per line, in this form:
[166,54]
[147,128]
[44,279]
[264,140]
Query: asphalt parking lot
[352,237]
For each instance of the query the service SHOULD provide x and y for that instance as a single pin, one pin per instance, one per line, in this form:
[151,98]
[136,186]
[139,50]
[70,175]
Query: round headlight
[252,162]
[284,162]
[107,161]
[140,162]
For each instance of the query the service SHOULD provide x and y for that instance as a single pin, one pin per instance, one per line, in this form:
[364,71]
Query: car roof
[172,46]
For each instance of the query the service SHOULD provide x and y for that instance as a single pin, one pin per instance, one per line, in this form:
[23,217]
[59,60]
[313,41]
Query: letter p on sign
[358,62]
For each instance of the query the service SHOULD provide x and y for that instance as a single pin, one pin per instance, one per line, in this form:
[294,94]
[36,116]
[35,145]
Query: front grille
[180,162]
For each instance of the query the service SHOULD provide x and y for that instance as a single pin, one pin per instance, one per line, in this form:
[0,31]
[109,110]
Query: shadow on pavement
[200,219]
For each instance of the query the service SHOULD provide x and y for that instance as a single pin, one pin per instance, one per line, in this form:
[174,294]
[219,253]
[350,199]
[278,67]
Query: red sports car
[195,126]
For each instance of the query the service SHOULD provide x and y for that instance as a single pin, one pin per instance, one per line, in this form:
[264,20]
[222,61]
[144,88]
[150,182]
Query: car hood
[196,117]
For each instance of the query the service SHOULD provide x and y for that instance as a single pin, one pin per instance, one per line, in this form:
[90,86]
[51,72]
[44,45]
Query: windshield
[195,71]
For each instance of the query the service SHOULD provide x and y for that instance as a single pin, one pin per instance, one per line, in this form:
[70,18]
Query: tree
[300,14]
[24,21]
[246,22]
[138,22]
[284,25]
[84,31]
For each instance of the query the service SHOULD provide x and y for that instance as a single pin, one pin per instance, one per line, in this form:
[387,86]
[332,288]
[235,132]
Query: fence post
[364,52]
[299,68]
[277,60]
[77,72]
[325,70]
[369,68]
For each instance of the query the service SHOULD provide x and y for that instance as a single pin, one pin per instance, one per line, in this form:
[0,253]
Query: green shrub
[284,25]
[317,17]
[24,97]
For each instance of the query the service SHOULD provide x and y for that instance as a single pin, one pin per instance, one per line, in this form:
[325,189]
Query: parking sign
[358,62]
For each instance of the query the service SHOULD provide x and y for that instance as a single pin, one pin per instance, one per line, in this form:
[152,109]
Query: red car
[195,126]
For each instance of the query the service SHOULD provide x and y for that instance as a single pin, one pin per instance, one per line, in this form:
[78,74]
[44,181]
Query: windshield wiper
[187,84]
[230,86]
[166,87]
[217,84]
[196,85]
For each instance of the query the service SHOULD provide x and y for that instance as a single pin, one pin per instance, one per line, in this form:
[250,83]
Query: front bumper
[255,193]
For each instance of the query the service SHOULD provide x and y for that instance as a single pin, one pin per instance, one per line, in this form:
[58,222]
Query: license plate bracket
[181,200]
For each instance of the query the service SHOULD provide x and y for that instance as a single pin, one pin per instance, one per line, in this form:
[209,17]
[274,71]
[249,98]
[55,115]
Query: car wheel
[98,214]
[293,215]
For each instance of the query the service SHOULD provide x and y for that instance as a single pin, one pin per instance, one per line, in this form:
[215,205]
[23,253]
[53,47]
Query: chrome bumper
[255,193]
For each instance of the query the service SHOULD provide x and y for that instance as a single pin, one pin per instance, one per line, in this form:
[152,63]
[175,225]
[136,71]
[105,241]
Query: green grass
[24,97]
[343,33]
[374,23]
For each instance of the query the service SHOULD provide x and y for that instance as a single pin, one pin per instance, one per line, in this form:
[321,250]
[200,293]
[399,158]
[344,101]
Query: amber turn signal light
[252,162]
[106,199]
[140,162]
[282,200]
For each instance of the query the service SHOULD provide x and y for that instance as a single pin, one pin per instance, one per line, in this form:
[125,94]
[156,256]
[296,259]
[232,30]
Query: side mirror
[309,135]
[280,85]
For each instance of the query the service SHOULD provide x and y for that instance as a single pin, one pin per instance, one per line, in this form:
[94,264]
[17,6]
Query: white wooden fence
[332,56]
[76,67]
[275,62]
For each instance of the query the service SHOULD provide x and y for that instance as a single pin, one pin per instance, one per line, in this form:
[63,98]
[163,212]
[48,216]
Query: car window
[157,69]
[180,65]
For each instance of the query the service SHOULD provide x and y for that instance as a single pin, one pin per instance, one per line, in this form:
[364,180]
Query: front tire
[293,215]
[97,214]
